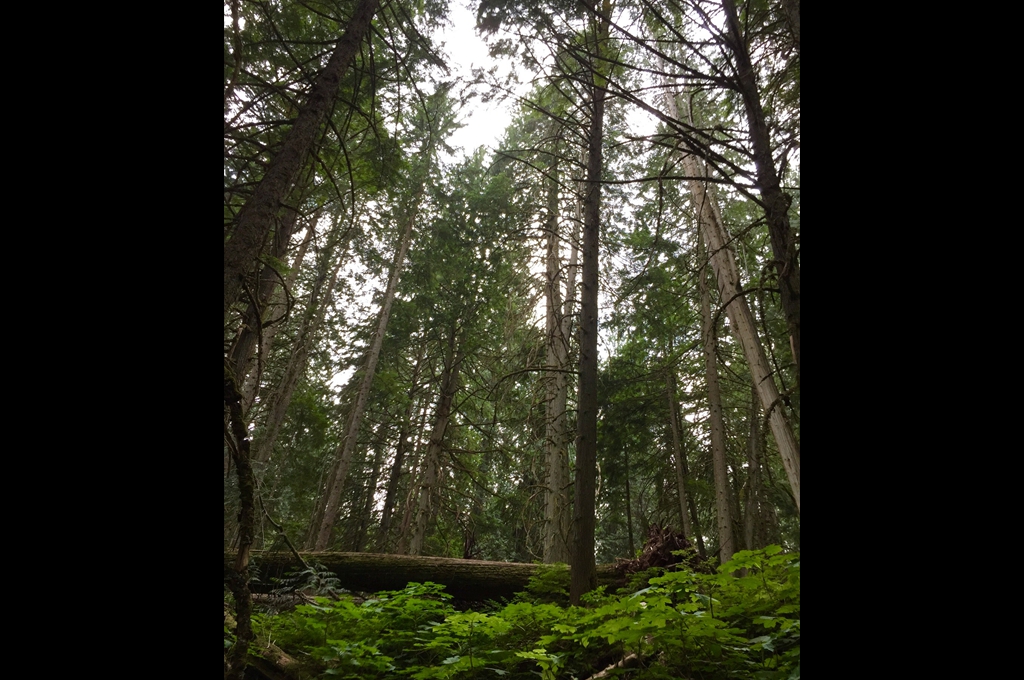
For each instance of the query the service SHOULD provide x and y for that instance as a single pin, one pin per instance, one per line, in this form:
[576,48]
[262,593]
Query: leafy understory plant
[682,624]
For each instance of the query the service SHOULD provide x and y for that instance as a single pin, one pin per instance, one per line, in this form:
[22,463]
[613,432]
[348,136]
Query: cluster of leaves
[741,622]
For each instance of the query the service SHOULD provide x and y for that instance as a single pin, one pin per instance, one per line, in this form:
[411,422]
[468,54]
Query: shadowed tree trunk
[242,350]
[556,497]
[257,217]
[428,487]
[752,519]
[689,525]
[792,9]
[369,493]
[775,201]
[343,456]
[396,467]
[629,506]
[723,261]
[415,475]
[726,543]
[319,300]
[276,308]
[581,556]
[237,571]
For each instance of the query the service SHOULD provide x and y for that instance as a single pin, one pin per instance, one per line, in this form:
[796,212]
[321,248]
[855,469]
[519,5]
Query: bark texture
[775,202]
[277,406]
[276,309]
[237,572]
[581,558]
[255,315]
[723,261]
[556,496]
[726,542]
[256,218]
[428,487]
[343,456]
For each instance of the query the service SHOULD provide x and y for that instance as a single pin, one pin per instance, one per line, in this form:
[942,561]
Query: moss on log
[474,580]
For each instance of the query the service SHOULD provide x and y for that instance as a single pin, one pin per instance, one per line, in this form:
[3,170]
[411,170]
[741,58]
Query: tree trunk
[776,203]
[692,505]
[236,572]
[752,521]
[677,455]
[556,497]
[792,10]
[275,309]
[257,216]
[355,530]
[343,455]
[277,406]
[242,350]
[428,488]
[581,558]
[411,496]
[475,580]
[469,534]
[629,507]
[396,467]
[726,543]
[723,261]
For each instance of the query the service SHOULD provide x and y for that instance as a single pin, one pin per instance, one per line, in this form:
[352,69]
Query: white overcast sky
[485,123]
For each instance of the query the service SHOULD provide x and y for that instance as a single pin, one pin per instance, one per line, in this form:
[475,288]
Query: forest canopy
[551,351]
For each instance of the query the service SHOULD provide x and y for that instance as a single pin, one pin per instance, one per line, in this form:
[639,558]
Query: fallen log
[473,580]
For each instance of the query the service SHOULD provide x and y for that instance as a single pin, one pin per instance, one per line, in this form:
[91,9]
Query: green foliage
[741,622]
[549,585]
[316,579]
[367,639]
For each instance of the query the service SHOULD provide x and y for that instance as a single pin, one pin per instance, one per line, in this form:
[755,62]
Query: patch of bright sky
[484,123]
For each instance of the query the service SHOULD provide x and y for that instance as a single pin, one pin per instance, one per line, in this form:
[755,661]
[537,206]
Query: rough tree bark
[723,261]
[241,352]
[343,456]
[276,308]
[257,216]
[775,201]
[581,556]
[726,542]
[449,385]
[396,467]
[277,406]
[556,497]
[237,571]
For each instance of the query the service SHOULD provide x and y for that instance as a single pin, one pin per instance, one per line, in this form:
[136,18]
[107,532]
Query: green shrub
[720,625]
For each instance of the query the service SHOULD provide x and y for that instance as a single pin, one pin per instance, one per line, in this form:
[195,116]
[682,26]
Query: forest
[522,410]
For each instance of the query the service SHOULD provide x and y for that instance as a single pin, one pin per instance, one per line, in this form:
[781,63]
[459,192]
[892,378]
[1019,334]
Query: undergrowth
[741,622]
